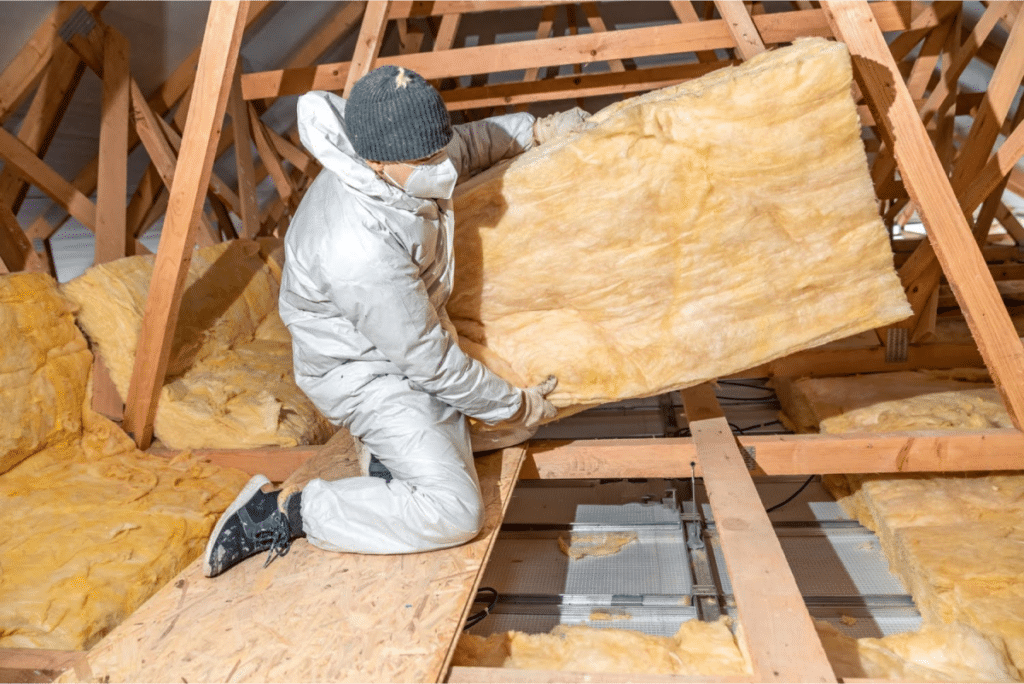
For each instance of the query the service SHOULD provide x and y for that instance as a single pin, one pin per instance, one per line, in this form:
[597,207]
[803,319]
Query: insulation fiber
[92,526]
[698,648]
[43,368]
[689,233]
[229,380]
[955,541]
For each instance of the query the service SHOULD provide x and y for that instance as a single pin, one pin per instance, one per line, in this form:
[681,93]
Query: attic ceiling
[163,34]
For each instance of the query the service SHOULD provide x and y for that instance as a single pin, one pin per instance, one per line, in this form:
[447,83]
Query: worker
[368,269]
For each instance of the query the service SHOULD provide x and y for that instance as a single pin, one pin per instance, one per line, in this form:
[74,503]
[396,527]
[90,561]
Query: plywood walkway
[311,615]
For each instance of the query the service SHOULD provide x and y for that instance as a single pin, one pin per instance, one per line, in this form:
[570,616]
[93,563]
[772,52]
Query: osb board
[312,616]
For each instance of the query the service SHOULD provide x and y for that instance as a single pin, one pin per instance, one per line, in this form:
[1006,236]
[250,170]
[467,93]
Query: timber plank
[903,452]
[248,206]
[781,640]
[112,183]
[28,66]
[742,28]
[999,96]
[43,117]
[929,187]
[311,615]
[192,176]
[620,44]
[371,35]
[33,169]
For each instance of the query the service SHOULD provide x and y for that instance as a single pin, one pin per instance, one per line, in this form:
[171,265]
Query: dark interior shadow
[206,300]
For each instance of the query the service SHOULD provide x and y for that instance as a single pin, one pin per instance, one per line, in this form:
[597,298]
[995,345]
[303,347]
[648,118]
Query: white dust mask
[430,181]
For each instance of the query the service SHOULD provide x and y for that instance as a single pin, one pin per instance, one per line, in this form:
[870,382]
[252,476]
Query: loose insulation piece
[91,526]
[689,233]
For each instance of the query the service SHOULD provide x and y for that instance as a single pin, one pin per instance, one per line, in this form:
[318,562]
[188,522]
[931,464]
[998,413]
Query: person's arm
[478,145]
[384,298]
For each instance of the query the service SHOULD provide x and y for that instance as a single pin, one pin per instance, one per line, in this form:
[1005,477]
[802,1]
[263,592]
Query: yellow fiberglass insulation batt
[229,380]
[956,541]
[92,526]
[45,361]
[689,233]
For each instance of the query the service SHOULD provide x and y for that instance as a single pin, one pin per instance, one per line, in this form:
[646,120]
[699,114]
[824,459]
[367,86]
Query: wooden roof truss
[908,104]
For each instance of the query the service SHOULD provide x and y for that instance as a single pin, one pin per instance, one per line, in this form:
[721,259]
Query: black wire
[476,618]
[795,494]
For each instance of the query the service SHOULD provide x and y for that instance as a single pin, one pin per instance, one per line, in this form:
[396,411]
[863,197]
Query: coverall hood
[321,117]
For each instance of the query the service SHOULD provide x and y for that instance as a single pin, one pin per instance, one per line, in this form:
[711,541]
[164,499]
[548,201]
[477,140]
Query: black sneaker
[253,523]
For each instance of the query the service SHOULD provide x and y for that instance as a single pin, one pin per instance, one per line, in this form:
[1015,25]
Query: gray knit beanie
[393,114]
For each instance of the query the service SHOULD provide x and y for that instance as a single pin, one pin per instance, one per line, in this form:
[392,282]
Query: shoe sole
[243,497]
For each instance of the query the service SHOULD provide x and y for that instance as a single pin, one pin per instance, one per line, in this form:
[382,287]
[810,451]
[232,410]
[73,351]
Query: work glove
[561,123]
[535,409]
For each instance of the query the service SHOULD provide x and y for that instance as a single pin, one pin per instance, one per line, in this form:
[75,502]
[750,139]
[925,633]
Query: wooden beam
[825,362]
[152,132]
[781,641]
[248,206]
[928,186]
[1011,223]
[371,35]
[741,26]
[50,660]
[37,172]
[218,187]
[685,13]
[272,160]
[620,44]
[56,88]
[597,25]
[905,452]
[999,96]
[217,62]
[16,250]
[172,90]
[28,66]
[995,170]
[564,87]
[112,188]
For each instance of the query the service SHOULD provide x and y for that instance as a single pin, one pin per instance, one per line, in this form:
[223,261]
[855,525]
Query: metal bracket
[896,340]
[749,457]
[80,22]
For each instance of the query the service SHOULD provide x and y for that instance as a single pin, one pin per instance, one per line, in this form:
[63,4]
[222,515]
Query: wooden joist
[780,638]
[909,452]
[620,44]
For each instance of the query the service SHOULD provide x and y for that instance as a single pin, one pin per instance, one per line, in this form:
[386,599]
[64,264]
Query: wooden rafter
[248,205]
[216,66]
[620,44]
[111,216]
[930,189]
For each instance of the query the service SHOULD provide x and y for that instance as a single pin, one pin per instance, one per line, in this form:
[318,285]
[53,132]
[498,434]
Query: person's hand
[535,408]
[558,124]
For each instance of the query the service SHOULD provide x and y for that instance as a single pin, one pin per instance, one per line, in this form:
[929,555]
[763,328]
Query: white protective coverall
[368,270]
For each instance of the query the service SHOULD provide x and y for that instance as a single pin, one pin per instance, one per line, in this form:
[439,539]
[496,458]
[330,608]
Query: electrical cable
[793,496]
[476,618]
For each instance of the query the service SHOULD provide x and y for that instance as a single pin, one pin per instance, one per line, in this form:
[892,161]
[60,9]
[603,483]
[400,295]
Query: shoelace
[281,542]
